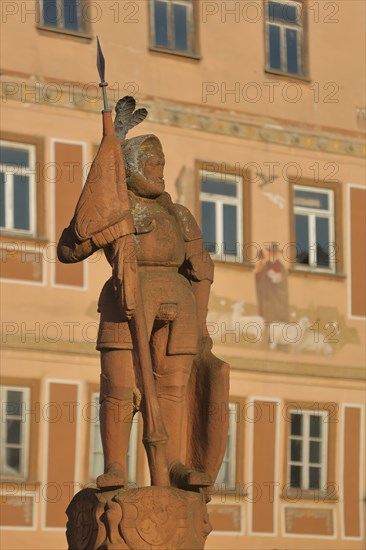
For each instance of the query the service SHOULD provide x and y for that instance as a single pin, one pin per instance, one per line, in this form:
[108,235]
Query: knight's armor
[169,252]
[168,259]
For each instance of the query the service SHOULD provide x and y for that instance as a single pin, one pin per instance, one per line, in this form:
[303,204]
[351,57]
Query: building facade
[260,110]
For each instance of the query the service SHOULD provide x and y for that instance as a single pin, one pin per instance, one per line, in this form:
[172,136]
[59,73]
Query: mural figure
[271,286]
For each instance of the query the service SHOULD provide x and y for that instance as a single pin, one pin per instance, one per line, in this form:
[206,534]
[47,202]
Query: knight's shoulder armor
[188,224]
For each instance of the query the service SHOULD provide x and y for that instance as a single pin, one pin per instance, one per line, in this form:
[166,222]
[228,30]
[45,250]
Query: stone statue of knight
[169,261]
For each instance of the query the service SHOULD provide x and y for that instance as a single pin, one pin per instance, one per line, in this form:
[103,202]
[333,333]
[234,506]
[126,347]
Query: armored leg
[117,408]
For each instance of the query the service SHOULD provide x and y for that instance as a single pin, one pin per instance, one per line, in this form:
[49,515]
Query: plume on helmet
[126,116]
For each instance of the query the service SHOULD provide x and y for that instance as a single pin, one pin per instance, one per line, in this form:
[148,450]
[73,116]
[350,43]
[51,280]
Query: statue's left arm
[200,272]
[199,268]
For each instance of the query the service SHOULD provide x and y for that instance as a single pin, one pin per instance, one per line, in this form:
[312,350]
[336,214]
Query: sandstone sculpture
[155,351]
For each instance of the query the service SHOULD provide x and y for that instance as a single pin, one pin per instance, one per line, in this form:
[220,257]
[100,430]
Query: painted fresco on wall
[271,323]
[271,286]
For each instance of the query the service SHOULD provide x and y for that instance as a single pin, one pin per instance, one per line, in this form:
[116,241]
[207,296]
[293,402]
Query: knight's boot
[115,426]
[184,478]
[114,476]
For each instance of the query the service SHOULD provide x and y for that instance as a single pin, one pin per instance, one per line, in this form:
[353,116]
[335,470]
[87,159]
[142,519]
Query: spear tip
[100,62]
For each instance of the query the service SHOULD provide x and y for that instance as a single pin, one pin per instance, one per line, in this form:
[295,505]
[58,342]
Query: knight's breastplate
[159,240]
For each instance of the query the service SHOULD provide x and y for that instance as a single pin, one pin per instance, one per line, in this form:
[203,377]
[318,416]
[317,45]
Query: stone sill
[320,498]
[176,53]
[290,76]
[18,482]
[82,36]
[19,238]
[313,274]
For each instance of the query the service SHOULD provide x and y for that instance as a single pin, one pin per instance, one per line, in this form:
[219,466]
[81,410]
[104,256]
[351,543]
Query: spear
[101,70]
[155,436]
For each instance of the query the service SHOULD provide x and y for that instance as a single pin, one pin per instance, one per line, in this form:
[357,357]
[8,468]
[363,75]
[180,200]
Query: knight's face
[153,168]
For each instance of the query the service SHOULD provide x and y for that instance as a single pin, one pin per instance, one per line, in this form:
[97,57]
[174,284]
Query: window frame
[31,411]
[312,214]
[39,222]
[23,444]
[329,489]
[244,207]
[235,485]
[9,189]
[61,26]
[303,41]
[336,266]
[193,31]
[305,463]
[84,32]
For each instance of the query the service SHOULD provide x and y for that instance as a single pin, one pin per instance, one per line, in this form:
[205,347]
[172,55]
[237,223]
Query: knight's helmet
[135,152]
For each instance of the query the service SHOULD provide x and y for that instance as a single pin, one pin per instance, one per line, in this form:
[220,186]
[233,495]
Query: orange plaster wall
[226,517]
[23,265]
[62,430]
[306,521]
[17,511]
[264,441]
[358,254]
[69,181]
[351,471]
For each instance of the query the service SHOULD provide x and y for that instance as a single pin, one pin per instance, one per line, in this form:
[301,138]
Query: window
[227,474]
[17,187]
[308,455]
[62,14]
[96,460]
[173,25]
[314,228]
[285,37]
[15,427]
[221,200]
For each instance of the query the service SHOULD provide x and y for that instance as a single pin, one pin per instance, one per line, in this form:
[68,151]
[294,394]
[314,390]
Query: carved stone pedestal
[148,518]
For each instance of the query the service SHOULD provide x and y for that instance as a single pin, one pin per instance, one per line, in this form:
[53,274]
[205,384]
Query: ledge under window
[295,495]
[20,238]
[314,273]
[81,35]
[178,53]
[287,75]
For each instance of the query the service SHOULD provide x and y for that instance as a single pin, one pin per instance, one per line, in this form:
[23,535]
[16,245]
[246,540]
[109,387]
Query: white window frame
[230,451]
[305,463]
[220,201]
[61,16]
[96,444]
[25,432]
[170,19]
[30,171]
[283,45]
[312,214]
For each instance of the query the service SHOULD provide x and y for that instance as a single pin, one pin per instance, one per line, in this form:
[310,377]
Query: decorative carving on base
[148,518]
